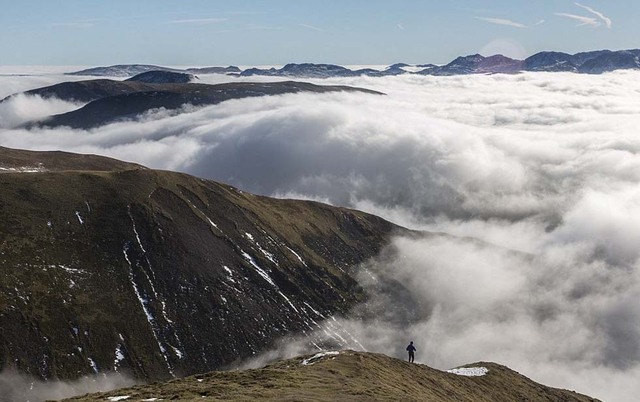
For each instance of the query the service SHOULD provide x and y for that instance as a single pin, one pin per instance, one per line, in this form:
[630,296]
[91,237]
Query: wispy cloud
[502,21]
[198,21]
[607,20]
[580,18]
[313,28]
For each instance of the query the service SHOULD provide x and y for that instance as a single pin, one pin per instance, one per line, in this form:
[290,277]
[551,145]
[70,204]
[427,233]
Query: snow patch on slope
[259,270]
[469,371]
[313,359]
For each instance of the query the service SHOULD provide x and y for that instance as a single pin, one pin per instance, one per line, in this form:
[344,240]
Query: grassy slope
[352,376]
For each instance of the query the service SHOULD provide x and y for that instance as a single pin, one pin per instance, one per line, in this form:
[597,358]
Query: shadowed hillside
[152,273]
[348,376]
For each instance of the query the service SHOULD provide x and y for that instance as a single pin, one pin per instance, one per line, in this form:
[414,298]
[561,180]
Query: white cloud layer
[24,108]
[15,386]
[537,174]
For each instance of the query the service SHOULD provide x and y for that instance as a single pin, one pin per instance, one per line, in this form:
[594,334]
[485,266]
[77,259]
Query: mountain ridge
[348,375]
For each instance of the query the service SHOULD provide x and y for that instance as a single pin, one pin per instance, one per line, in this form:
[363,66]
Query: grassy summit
[348,376]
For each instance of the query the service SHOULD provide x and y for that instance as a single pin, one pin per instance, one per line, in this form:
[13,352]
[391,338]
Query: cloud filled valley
[533,178]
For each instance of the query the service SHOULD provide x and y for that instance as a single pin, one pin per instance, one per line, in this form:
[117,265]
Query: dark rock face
[159,274]
[163,77]
[110,101]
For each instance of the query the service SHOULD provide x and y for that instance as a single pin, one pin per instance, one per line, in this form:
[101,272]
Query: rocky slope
[108,266]
[349,376]
[110,101]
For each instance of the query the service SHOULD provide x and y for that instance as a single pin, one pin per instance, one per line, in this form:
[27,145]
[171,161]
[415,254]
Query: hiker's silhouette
[411,349]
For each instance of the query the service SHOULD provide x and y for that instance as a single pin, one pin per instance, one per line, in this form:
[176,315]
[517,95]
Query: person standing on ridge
[411,349]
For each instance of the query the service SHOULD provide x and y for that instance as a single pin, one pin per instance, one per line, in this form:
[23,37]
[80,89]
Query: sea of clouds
[535,178]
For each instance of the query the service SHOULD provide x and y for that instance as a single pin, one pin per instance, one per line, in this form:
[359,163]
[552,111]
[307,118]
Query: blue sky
[255,32]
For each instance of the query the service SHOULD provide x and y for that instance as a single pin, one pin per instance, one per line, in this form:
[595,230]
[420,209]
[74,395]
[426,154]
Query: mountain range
[594,62]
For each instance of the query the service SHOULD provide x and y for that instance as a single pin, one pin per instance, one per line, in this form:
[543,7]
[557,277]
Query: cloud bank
[534,177]
[22,108]
[15,386]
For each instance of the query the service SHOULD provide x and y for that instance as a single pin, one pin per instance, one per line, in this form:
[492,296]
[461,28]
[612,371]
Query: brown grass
[349,376]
